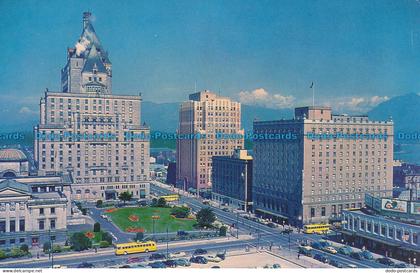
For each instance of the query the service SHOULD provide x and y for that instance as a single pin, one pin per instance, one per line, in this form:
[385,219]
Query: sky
[358,53]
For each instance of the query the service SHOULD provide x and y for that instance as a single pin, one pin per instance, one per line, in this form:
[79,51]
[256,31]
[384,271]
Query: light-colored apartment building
[209,125]
[88,132]
[308,169]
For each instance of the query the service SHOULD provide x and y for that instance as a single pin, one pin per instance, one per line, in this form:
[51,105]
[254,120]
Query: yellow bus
[134,247]
[316,228]
[170,197]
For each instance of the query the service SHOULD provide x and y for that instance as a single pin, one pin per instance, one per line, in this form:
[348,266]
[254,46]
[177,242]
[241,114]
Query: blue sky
[358,53]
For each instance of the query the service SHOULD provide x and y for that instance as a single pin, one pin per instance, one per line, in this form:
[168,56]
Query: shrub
[180,212]
[84,211]
[80,242]
[222,231]
[46,247]
[96,227]
[16,252]
[103,244]
[99,203]
[107,237]
[3,254]
[139,236]
[57,249]
[24,248]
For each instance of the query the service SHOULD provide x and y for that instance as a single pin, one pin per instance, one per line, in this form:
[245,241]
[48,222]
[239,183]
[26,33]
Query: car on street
[178,254]
[170,263]
[221,255]
[350,266]
[271,225]
[336,263]
[135,260]
[157,256]
[367,255]
[157,265]
[86,265]
[324,243]
[316,245]
[401,265]
[305,250]
[385,261]
[321,258]
[330,249]
[182,262]
[356,255]
[200,251]
[182,233]
[226,210]
[345,250]
[198,260]
[276,266]
[287,231]
[213,259]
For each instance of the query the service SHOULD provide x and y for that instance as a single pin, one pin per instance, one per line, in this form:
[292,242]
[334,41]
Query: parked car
[86,265]
[135,260]
[305,250]
[336,264]
[170,263]
[157,256]
[157,265]
[125,266]
[330,249]
[182,233]
[200,251]
[182,262]
[276,266]
[287,231]
[272,225]
[324,243]
[225,209]
[367,255]
[198,260]
[215,266]
[401,265]
[316,245]
[221,255]
[351,266]
[177,254]
[214,259]
[385,261]
[356,255]
[345,250]
[321,258]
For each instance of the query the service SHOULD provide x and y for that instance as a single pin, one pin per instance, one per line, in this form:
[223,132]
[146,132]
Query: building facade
[86,131]
[232,180]
[13,163]
[310,168]
[209,125]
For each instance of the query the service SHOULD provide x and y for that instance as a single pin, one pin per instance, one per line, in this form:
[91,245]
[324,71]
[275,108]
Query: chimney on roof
[86,18]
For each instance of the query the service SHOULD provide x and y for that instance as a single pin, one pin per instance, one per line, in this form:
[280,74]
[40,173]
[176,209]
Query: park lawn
[121,218]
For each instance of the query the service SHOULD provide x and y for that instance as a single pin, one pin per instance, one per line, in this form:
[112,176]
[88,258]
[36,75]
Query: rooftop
[10,155]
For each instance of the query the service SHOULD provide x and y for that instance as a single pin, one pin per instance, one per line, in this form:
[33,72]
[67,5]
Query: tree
[46,247]
[99,203]
[24,248]
[154,202]
[161,202]
[139,236]
[205,217]
[107,237]
[96,227]
[222,231]
[125,196]
[180,212]
[80,242]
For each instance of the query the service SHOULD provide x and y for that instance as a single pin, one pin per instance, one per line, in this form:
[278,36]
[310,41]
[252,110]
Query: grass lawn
[144,219]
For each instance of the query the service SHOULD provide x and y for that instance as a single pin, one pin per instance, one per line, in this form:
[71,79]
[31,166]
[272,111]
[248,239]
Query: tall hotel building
[310,168]
[209,125]
[88,132]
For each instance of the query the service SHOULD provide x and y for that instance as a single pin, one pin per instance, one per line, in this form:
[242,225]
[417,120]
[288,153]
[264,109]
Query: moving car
[170,263]
[200,251]
[336,264]
[367,255]
[157,256]
[221,255]
[321,258]
[182,262]
[177,254]
[345,250]
[401,265]
[272,225]
[385,261]
[287,231]
[157,265]
[305,250]
[330,249]
[356,255]
[198,260]
[214,259]
[85,265]
[316,245]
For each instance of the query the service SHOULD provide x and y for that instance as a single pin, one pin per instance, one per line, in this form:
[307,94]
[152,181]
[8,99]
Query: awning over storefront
[272,213]
[371,238]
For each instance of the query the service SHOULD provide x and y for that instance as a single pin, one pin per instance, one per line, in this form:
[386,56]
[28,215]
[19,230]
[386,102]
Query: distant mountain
[404,111]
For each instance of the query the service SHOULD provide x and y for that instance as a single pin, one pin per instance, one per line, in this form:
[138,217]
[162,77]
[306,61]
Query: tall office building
[209,125]
[308,169]
[88,132]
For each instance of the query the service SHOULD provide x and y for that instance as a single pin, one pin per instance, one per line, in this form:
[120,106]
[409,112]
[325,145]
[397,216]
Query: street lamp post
[51,248]
[167,243]
[154,218]
[237,225]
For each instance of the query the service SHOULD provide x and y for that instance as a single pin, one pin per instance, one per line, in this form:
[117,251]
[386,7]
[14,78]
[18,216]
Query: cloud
[356,104]
[27,110]
[263,98]
[81,46]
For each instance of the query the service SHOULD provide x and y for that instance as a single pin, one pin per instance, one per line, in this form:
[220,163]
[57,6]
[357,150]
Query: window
[12,225]
[323,211]
[2,226]
[52,224]
[41,211]
[383,230]
[312,212]
[41,224]
[22,225]
[52,210]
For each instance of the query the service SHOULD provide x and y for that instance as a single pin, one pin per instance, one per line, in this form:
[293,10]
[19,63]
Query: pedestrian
[298,256]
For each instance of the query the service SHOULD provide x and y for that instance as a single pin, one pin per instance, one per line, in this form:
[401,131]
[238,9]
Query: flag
[312,85]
